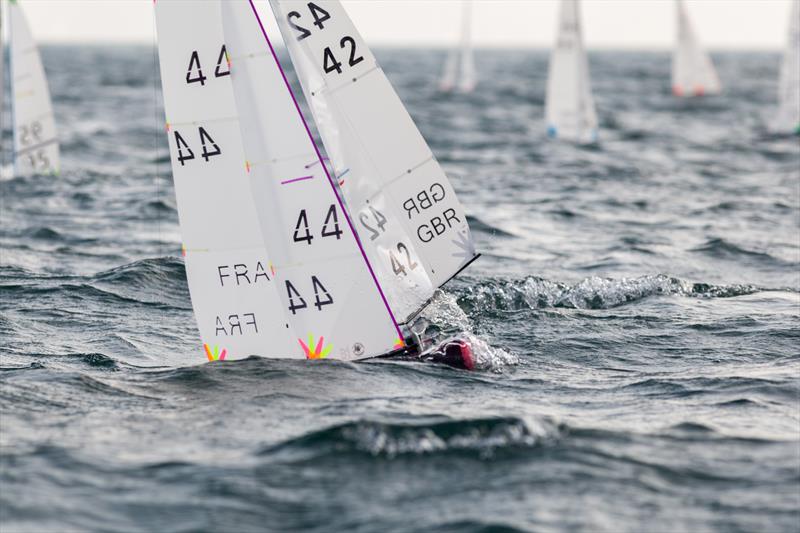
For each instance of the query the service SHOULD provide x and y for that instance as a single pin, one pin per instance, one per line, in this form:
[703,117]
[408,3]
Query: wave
[155,281]
[479,226]
[482,436]
[591,293]
[722,249]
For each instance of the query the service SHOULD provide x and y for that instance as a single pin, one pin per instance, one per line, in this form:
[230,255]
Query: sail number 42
[346,43]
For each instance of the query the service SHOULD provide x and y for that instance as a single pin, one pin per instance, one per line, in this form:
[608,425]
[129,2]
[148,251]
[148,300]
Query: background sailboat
[459,68]
[693,73]
[789,89]
[569,109]
[36,148]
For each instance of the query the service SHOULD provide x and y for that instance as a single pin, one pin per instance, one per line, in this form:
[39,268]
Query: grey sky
[738,24]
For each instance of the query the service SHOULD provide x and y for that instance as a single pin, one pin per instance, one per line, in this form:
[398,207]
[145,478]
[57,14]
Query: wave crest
[590,293]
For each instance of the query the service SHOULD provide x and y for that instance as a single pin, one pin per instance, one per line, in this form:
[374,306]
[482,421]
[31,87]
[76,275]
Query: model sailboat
[459,69]
[693,72]
[569,110]
[284,256]
[35,141]
[789,90]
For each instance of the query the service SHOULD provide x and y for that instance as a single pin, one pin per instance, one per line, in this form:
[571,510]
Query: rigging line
[327,174]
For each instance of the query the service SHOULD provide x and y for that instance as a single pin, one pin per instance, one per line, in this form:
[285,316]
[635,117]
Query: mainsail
[570,112]
[413,227]
[459,69]
[789,90]
[232,285]
[35,140]
[273,266]
[693,73]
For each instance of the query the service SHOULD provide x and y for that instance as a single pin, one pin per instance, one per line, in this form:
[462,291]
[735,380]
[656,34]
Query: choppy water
[637,303]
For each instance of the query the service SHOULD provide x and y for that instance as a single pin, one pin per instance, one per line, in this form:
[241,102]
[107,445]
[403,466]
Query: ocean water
[636,312]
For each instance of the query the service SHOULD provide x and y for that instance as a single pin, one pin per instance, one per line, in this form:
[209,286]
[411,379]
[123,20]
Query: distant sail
[789,91]
[331,298]
[232,283]
[459,69]
[413,227]
[2,85]
[693,72]
[570,112]
[35,139]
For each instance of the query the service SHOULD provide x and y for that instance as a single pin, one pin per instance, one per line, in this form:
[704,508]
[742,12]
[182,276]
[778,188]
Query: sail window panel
[393,255]
[236,304]
[382,127]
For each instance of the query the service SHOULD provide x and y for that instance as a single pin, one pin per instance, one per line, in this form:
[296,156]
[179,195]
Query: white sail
[35,139]
[407,215]
[459,68]
[329,291]
[569,110]
[231,281]
[2,86]
[693,72]
[789,89]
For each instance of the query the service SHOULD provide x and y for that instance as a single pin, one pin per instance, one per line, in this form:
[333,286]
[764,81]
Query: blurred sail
[459,70]
[789,89]
[569,110]
[35,139]
[2,84]
[693,73]
[413,227]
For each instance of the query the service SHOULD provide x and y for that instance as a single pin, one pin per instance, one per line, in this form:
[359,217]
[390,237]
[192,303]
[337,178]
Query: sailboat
[569,109]
[459,68]
[290,253]
[788,118]
[36,148]
[693,73]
